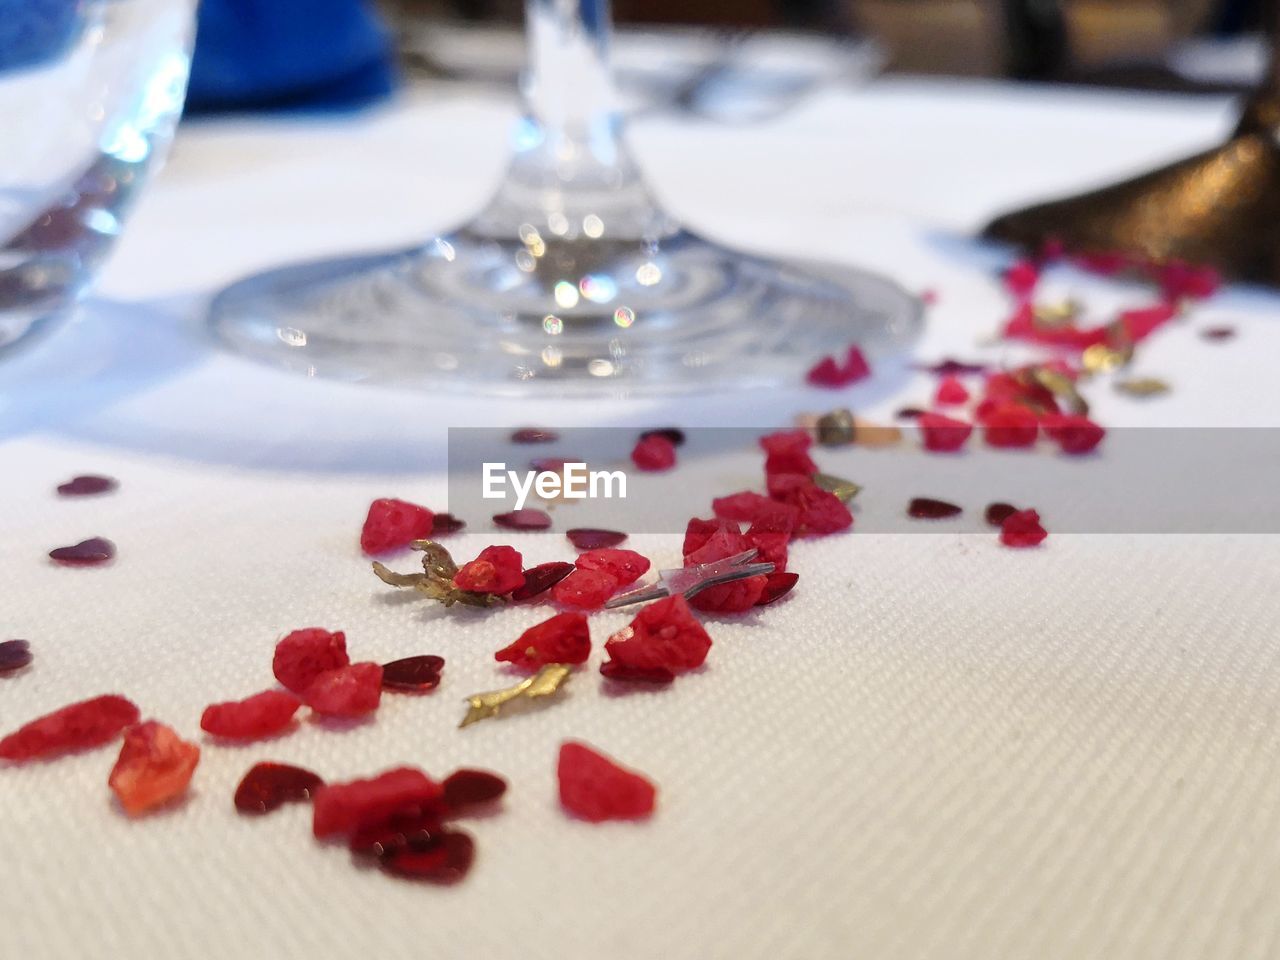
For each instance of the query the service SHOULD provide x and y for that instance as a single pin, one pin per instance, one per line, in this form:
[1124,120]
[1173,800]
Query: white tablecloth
[937,748]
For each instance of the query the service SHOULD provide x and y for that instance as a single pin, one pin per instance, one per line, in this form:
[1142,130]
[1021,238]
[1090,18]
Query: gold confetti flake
[845,490]
[1101,358]
[1142,387]
[1062,387]
[545,683]
[836,429]
[1052,316]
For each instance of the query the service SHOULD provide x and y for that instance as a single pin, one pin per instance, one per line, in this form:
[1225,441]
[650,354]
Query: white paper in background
[937,748]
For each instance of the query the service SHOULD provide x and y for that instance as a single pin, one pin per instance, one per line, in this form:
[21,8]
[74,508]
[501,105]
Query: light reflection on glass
[566,295]
[598,287]
[647,274]
[600,368]
[624,317]
[592,226]
[551,356]
[552,324]
[292,336]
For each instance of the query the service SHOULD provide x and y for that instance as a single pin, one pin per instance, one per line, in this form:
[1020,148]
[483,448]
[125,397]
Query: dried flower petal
[563,638]
[595,788]
[545,683]
[653,453]
[261,715]
[943,434]
[1022,529]
[303,655]
[89,723]
[589,538]
[927,508]
[419,674]
[498,570]
[86,553]
[525,519]
[538,580]
[392,524]
[154,767]
[14,655]
[87,486]
[268,786]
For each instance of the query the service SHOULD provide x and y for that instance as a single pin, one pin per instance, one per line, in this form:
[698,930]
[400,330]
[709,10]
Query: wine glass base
[472,313]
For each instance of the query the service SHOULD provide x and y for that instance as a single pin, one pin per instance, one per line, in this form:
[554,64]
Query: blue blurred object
[35,31]
[289,54]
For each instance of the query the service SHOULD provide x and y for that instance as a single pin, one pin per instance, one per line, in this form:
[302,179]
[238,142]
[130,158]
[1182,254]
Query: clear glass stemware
[572,275]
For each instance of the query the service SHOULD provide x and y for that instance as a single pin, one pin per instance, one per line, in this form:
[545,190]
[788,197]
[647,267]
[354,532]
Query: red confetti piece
[927,508]
[589,538]
[777,586]
[538,580]
[154,767]
[466,789]
[14,655]
[498,569]
[787,451]
[444,524]
[770,536]
[89,723]
[350,691]
[418,674]
[1178,280]
[1218,334]
[664,635]
[534,435]
[261,715]
[86,553]
[830,373]
[392,524]
[344,808]
[269,786]
[997,513]
[1073,433]
[950,391]
[942,434]
[654,453]
[1022,529]
[734,597]
[563,638]
[697,532]
[303,655]
[910,413]
[1021,278]
[1010,425]
[625,566]
[1140,324]
[448,862]
[820,511]
[585,589]
[526,519]
[87,486]
[596,788]
[750,507]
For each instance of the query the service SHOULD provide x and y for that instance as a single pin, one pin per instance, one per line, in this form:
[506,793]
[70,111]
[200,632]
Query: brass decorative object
[1220,208]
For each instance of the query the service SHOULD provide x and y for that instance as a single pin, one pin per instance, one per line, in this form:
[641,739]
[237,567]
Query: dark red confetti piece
[927,508]
[996,513]
[777,586]
[613,670]
[87,486]
[14,655]
[472,788]
[420,833]
[590,538]
[674,434]
[269,786]
[534,435]
[538,580]
[345,808]
[526,519]
[910,413]
[413,674]
[1218,333]
[446,523]
[447,863]
[86,553]
[952,368]
[89,723]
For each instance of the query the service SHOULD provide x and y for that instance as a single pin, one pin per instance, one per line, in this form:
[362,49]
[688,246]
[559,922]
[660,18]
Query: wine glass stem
[567,87]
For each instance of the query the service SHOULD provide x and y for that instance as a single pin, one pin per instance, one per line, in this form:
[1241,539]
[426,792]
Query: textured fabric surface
[936,748]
